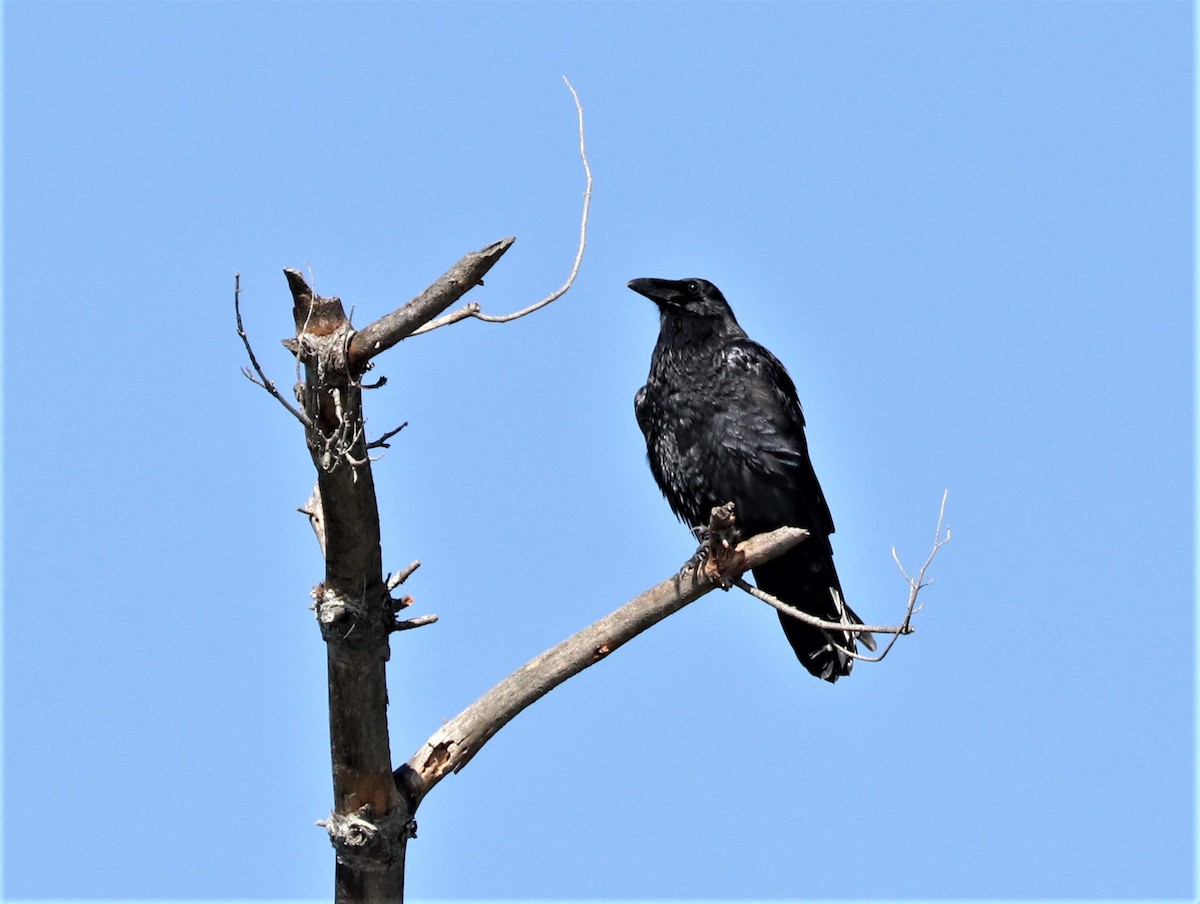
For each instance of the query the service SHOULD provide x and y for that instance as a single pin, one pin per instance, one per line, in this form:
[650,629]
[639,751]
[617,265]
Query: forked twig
[382,442]
[472,310]
[905,626]
[268,385]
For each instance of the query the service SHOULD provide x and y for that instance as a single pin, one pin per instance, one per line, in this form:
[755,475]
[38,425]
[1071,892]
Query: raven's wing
[781,488]
[765,434]
[642,412]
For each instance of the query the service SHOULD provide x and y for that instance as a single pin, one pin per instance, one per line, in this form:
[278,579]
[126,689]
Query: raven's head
[685,297]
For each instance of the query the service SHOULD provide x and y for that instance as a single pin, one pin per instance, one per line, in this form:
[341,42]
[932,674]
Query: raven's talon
[695,565]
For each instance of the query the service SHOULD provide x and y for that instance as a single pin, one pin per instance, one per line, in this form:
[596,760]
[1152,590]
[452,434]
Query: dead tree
[374,804]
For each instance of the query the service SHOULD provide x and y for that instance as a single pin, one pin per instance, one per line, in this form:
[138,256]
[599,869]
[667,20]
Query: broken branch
[404,321]
[395,580]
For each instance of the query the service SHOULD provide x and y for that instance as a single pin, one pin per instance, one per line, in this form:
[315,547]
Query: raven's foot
[717,557]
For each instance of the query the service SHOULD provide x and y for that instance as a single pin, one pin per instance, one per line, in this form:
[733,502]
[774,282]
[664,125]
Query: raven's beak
[658,291]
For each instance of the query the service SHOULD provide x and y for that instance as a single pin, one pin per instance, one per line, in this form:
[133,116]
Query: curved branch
[453,746]
[473,310]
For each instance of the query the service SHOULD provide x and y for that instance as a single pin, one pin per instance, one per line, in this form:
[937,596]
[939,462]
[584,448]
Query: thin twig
[473,309]
[938,543]
[268,385]
[813,620]
[382,442]
[914,587]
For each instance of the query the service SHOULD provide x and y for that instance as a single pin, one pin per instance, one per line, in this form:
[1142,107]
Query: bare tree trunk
[371,820]
[350,606]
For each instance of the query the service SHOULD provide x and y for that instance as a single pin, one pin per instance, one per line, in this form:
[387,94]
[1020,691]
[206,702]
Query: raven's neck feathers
[677,331]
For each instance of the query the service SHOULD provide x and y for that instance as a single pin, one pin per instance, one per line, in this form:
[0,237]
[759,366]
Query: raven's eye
[693,288]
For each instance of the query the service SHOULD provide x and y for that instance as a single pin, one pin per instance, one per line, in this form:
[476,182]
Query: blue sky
[965,228]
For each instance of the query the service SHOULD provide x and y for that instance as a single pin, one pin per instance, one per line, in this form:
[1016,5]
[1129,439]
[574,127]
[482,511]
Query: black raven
[723,424]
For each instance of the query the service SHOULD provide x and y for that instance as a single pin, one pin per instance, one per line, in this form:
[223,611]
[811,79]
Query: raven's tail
[805,579]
